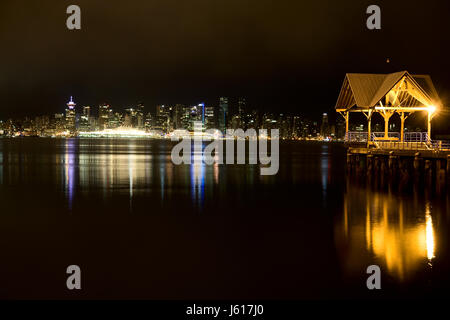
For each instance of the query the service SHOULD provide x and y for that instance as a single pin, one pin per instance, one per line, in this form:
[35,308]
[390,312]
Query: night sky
[285,56]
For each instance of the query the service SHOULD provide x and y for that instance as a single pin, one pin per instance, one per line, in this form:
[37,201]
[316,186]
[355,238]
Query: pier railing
[411,141]
[416,137]
[392,136]
[395,145]
[356,136]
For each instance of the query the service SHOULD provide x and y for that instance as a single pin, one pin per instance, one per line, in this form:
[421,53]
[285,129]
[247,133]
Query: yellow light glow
[429,234]
[432,108]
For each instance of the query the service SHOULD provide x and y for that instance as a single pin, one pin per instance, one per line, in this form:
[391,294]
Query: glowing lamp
[432,109]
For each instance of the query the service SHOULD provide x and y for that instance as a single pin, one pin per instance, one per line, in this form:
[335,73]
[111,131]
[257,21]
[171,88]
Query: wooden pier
[428,168]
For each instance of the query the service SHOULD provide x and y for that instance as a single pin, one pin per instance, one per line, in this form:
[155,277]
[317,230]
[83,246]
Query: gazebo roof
[362,91]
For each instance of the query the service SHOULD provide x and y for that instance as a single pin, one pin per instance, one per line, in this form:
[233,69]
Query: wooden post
[429,124]
[383,170]
[349,161]
[391,161]
[369,127]
[402,126]
[440,174]
[417,161]
[428,171]
[386,115]
[448,166]
[347,118]
[377,165]
[369,164]
[417,164]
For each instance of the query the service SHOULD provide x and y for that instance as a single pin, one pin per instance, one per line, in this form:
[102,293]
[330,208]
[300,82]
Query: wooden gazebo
[387,94]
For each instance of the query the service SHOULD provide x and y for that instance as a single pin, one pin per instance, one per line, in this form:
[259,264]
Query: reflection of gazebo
[387,94]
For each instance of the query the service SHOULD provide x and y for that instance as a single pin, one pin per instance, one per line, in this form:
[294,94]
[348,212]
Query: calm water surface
[141,227]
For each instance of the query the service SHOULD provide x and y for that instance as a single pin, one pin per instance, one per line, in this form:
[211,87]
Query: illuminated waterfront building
[296,127]
[103,116]
[210,118]
[131,118]
[140,116]
[84,124]
[252,120]
[223,114]
[286,126]
[59,122]
[116,120]
[177,115]
[162,120]
[201,111]
[148,121]
[41,124]
[186,118]
[242,104]
[340,128]
[325,127]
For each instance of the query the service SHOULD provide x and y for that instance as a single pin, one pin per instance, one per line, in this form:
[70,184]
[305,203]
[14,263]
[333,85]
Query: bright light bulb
[432,109]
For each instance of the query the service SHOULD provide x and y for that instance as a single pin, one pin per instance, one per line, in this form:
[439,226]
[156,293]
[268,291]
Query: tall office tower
[140,115]
[223,114]
[177,115]
[252,120]
[325,127]
[241,107]
[131,118]
[186,118]
[162,121]
[103,116]
[70,116]
[269,121]
[210,118]
[87,111]
[201,111]
[286,129]
[148,121]
[296,127]
[116,120]
[85,119]
[340,128]
[60,122]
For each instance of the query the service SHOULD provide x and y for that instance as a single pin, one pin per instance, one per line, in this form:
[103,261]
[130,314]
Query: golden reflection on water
[385,229]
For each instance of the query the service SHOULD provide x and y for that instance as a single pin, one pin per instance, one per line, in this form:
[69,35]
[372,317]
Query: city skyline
[227,114]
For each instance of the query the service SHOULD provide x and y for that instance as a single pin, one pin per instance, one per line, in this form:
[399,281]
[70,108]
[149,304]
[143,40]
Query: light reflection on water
[386,229]
[132,168]
[396,231]
[325,166]
[69,170]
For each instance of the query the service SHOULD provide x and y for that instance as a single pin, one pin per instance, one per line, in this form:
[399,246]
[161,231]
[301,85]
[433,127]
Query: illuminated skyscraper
[131,118]
[163,119]
[140,116]
[70,115]
[103,116]
[84,124]
[241,107]
[325,127]
[177,116]
[210,118]
[223,114]
[87,111]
